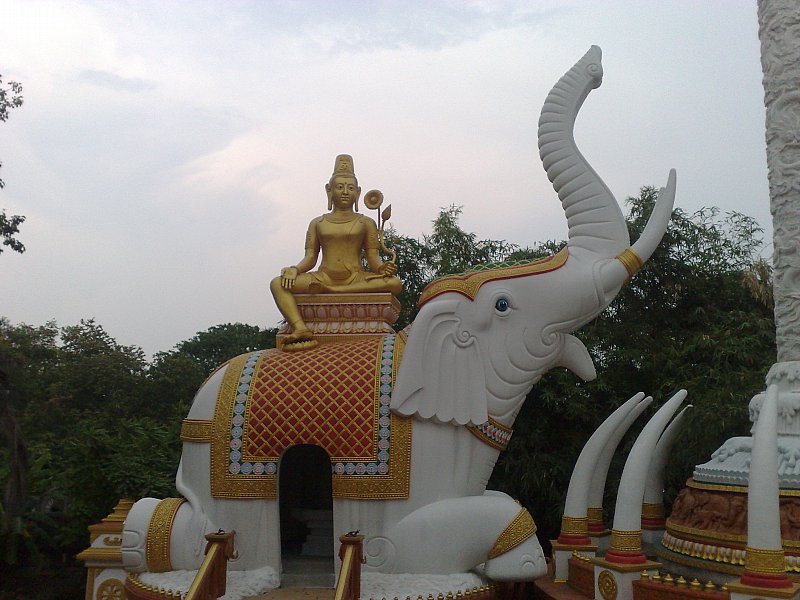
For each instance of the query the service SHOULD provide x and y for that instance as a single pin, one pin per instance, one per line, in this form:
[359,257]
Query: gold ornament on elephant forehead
[373,200]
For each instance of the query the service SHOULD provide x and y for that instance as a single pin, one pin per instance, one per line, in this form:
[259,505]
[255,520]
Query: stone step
[308,580]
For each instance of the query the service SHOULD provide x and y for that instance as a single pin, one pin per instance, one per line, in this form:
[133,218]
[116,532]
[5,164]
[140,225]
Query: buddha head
[342,188]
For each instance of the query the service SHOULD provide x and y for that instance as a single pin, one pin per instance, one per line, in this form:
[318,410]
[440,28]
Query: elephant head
[482,339]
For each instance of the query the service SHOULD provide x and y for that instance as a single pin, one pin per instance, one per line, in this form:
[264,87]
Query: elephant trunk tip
[593,64]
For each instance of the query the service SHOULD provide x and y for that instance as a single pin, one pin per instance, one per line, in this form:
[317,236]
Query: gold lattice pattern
[324,396]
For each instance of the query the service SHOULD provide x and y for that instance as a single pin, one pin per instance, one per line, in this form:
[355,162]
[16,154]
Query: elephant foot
[522,563]
[163,535]
[457,534]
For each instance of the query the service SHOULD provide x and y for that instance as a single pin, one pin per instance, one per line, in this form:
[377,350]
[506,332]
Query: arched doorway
[305,498]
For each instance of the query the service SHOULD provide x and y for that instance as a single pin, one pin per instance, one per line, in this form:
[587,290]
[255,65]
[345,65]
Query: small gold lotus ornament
[373,199]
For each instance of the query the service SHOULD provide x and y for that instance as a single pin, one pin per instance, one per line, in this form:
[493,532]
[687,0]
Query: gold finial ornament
[344,238]
[373,199]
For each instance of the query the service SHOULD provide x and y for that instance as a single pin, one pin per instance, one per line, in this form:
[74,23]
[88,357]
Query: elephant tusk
[614,273]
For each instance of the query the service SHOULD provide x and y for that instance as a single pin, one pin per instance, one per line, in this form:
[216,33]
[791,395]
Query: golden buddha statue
[343,235]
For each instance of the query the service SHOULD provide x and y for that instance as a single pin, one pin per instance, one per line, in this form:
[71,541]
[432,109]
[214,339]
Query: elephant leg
[458,534]
[524,557]
[164,535]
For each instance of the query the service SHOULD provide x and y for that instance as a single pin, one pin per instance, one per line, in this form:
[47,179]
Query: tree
[448,249]
[19,347]
[210,348]
[10,98]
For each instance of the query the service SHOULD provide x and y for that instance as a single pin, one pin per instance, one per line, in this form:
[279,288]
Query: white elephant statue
[448,392]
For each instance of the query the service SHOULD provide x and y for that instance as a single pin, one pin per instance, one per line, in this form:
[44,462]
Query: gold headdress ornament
[343,166]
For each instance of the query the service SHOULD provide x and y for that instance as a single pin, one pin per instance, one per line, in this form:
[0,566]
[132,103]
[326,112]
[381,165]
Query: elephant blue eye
[501,305]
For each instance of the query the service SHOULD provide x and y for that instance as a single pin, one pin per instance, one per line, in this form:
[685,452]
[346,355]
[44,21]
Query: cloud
[116,82]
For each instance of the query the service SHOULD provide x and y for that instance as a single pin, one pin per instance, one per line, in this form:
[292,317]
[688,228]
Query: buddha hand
[288,275]
[389,269]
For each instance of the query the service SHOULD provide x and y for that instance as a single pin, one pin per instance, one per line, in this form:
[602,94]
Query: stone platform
[341,317]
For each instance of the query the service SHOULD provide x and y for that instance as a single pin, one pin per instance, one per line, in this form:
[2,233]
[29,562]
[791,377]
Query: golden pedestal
[342,317]
[103,558]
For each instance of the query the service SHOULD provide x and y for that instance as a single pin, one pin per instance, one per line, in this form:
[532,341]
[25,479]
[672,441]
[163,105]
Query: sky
[169,155]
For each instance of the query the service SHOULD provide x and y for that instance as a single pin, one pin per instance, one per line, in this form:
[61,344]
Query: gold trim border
[467,284]
[99,554]
[520,529]
[702,535]
[382,298]
[765,561]
[158,534]
[631,261]
[626,541]
[197,430]
[594,513]
[574,525]
[699,563]
[484,437]
[739,489]
[653,510]
[224,485]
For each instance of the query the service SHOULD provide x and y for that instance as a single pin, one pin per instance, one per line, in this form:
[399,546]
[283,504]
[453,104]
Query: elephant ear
[441,376]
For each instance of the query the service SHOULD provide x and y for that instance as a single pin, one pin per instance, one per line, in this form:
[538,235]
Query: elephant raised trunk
[596,224]
[594,218]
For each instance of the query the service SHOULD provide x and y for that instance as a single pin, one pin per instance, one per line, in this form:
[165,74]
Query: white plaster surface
[598,485]
[240,584]
[628,510]
[779,32]
[579,484]
[763,511]
[654,488]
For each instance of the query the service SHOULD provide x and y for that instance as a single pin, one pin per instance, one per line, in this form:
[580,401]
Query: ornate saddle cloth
[335,396]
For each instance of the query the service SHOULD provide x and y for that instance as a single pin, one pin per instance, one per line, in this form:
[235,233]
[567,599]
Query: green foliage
[9,227]
[448,249]
[86,421]
[684,321]
[10,98]
[211,348]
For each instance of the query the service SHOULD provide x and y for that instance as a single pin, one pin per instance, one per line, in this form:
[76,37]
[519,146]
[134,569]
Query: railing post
[210,582]
[351,554]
